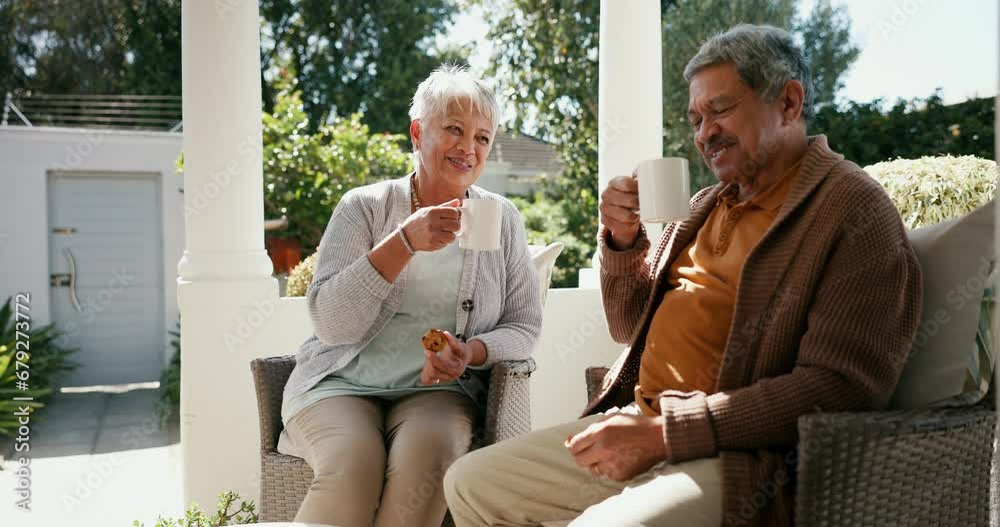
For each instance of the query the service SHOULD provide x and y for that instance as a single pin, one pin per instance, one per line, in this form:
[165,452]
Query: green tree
[825,37]
[356,56]
[545,62]
[306,173]
[868,133]
[349,56]
[108,47]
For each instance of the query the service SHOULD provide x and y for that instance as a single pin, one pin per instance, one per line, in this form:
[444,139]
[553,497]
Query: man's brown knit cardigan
[827,306]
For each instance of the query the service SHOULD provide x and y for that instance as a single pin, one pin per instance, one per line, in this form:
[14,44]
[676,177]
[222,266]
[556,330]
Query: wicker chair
[903,467]
[284,480]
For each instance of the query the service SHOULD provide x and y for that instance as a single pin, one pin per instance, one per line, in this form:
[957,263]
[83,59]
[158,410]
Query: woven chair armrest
[902,467]
[508,406]
[513,367]
[269,377]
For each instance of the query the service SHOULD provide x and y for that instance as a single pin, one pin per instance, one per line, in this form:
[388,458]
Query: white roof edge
[50,131]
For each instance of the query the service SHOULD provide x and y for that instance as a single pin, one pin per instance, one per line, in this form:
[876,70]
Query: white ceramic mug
[481,221]
[664,189]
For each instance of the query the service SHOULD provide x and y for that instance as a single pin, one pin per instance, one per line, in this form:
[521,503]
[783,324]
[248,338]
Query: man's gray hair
[452,83]
[766,58]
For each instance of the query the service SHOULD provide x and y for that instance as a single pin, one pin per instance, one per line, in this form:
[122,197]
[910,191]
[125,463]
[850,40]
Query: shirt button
[467,304]
[465,376]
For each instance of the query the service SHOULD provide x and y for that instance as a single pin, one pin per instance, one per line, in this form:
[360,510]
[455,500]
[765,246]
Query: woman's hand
[446,365]
[433,228]
[619,211]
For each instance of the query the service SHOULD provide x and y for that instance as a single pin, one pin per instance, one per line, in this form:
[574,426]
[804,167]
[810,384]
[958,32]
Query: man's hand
[620,447]
[619,211]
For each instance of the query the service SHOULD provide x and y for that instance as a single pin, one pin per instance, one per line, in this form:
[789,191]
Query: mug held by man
[664,189]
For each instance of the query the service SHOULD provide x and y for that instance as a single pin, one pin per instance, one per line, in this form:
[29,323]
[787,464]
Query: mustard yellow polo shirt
[689,330]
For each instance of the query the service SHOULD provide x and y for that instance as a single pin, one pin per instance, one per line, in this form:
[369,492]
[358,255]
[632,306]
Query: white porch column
[630,98]
[225,271]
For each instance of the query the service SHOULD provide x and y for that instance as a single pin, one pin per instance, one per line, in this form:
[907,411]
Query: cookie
[434,340]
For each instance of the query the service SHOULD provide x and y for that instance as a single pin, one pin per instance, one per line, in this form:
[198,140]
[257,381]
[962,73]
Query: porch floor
[99,458]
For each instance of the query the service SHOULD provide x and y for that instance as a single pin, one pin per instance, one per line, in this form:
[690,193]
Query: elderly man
[790,289]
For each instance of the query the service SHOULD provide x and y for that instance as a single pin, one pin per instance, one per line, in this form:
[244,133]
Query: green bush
[169,403]
[45,359]
[870,132]
[546,221]
[306,174]
[930,190]
[195,517]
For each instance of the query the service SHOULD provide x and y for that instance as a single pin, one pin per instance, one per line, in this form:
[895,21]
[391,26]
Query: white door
[106,286]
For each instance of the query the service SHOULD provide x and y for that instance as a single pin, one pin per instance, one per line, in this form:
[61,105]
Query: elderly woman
[377,417]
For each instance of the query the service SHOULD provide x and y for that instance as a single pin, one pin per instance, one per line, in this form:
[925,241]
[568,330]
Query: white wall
[28,154]
[574,337]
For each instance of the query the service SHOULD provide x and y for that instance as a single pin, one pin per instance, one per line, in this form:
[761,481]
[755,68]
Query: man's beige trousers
[533,480]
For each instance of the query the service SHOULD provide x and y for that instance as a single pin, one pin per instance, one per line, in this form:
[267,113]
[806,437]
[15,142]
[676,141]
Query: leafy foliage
[867,133]
[169,403]
[545,223]
[352,57]
[107,47]
[45,359]
[306,174]
[930,190]
[245,513]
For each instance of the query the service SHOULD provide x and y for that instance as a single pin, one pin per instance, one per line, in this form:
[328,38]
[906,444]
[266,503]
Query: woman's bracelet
[406,243]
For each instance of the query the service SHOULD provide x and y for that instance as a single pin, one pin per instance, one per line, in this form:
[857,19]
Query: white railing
[125,112]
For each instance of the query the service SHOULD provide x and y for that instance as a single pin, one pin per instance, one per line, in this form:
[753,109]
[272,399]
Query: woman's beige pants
[533,480]
[379,462]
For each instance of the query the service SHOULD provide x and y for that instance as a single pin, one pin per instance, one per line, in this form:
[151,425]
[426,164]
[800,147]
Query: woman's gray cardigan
[349,302]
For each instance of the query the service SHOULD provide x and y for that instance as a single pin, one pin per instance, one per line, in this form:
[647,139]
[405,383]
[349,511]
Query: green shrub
[195,517]
[45,359]
[305,174]
[169,402]
[546,221]
[930,190]
[300,277]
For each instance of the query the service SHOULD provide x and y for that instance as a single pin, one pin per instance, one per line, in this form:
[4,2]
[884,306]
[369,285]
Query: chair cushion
[950,362]
[544,258]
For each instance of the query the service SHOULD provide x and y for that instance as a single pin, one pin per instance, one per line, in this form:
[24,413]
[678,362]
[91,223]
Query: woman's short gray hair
[452,83]
[765,56]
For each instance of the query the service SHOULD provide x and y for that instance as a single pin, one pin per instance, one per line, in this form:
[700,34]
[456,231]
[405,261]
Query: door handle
[72,278]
